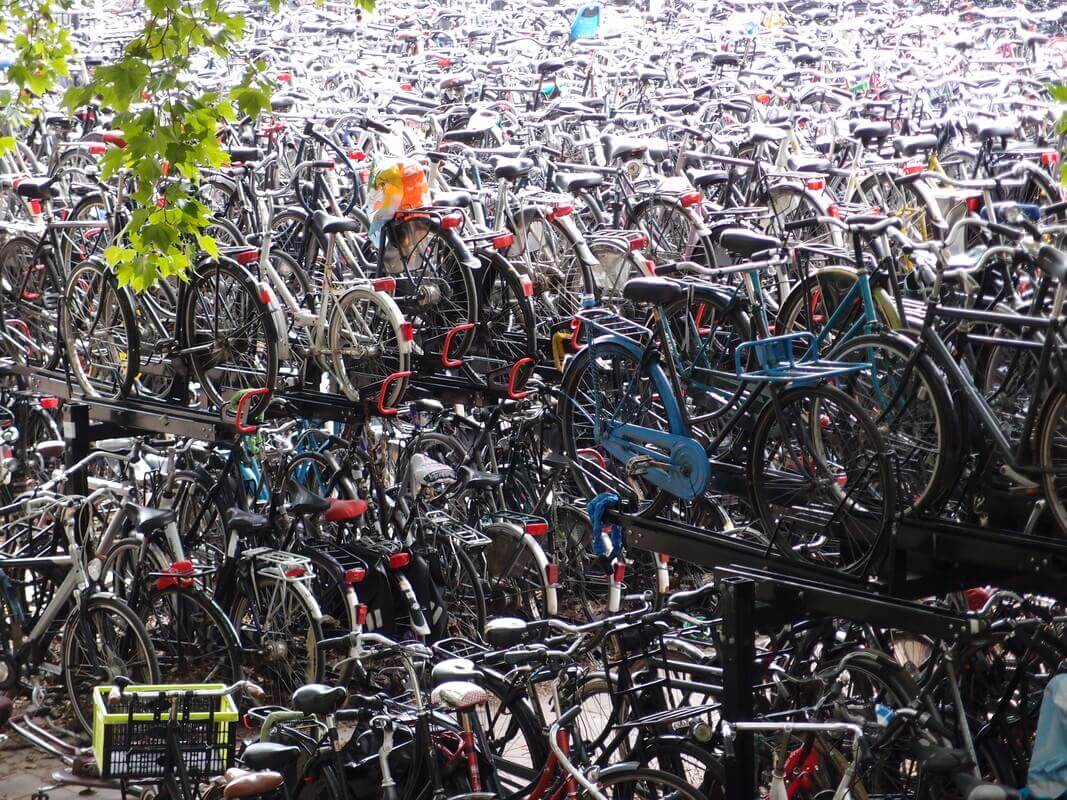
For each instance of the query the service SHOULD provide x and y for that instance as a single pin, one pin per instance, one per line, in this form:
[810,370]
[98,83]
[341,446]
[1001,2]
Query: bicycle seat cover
[459,695]
[505,631]
[246,523]
[319,699]
[658,291]
[251,784]
[345,510]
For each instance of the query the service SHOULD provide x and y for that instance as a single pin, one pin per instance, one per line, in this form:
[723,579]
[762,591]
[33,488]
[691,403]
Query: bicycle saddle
[745,243]
[323,222]
[659,291]
[345,510]
[625,147]
[908,146]
[550,66]
[148,520]
[944,760]
[993,129]
[818,165]
[871,224]
[758,134]
[725,60]
[454,669]
[304,503]
[505,632]
[680,105]
[456,199]
[479,480]
[509,169]
[35,189]
[578,180]
[241,783]
[708,177]
[868,132]
[807,57]
[246,523]
[971,788]
[244,154]
[1052,260]
[269,755]
[459,695]
[457,80]
[318,699]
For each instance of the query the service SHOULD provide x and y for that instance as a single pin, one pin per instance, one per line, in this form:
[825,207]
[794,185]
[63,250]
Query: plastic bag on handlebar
[395,186]
[596,508]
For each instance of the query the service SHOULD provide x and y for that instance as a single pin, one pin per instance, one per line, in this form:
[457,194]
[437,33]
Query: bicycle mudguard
[689,472]
[375,593]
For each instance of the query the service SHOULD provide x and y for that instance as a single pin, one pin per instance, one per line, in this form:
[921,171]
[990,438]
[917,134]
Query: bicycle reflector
[354,576]
[384,285]
[503,241]
[690,199]
[97,149]
[816,184]
[650,265]
[246,257]
[973,204]
[361,614]
[914,169]
[451,221]
[49,403]
[834,212]
[552,574]
[407,331]
[295,572]
[527,286]
[638,243]
[357,155]
[539,528]
[1050,158]
[399,560]
[560,210]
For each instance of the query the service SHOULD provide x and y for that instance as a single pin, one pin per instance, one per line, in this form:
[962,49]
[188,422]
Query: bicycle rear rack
[527,523]
[776,358]
[604,322]
[441,523]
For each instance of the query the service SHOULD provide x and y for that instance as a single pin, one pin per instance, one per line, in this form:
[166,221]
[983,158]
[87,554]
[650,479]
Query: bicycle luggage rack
[777,361]
[605,322]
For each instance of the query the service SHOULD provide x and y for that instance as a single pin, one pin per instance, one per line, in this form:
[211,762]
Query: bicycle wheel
[155,314]
[367,345]
[99,333]
[821,479]
[460,584]
[912,409]
[80,244]
[31,295]
[812,303]
[672,236]
[194,640]
[1052,454]
[280,623]
[103,639]
[507,330]
[609,389]
[228,334]
[513,734]
[200,518]
[318,475]
[647,784]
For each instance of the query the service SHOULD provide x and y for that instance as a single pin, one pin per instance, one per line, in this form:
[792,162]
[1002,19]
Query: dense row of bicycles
[795,280]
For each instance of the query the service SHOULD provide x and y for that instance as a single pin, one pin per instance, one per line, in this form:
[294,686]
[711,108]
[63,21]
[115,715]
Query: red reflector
[763,99]
[650,265]
[562,210]
[664,558]
[689,199]
[406,87]
[355,575]
[266,297]
[1050,158]
[913,169]
[527,286]
[398,560]
[284,77]
[451,221]
[384,285]
[181,568]
[97,149]
[552,574]
[537,528]
[361,614]
[247,257]
[503,241]
[638,242]
[35,207]
[443,62]
[49,403]
[357,155]
[973,204]
[816,185]
[834,212]
[407,331]
[620,571]
[295,572]
[976,598]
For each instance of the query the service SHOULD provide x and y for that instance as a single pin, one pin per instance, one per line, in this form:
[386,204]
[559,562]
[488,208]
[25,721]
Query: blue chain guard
[625,441]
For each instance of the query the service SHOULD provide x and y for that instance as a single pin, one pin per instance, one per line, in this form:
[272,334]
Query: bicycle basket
[130,738]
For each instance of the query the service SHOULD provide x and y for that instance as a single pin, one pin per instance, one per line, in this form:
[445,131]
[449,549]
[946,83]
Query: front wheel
[644,784]
[103,639]
[821,479]
[368,344]
[1052,454]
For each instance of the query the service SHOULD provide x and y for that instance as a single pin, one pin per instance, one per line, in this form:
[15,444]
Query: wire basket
[131,737]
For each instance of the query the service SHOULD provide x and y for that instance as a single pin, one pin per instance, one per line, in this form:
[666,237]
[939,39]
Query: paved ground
[23,770]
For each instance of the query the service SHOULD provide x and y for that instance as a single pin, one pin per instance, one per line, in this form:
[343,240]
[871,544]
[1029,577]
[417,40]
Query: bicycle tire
[144,669]
[626,784]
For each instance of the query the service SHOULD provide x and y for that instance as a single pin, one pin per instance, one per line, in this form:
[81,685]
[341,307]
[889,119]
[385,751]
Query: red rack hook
[453,362]
[383,409]
[513,376]
[241,413]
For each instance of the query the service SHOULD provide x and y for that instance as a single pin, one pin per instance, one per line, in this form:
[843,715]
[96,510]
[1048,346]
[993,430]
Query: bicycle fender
[538,554]
[387,300]
[622,766]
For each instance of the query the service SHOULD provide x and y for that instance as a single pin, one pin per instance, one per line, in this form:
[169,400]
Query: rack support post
[737,602]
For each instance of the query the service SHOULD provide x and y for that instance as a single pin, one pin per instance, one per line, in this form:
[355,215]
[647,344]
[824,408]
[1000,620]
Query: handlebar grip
[374,125]
[347,640]
[1004,230]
